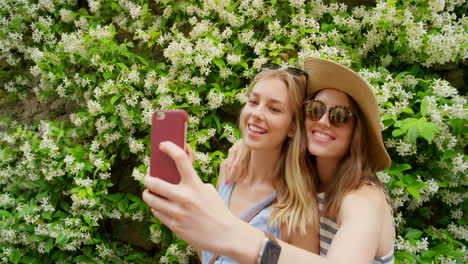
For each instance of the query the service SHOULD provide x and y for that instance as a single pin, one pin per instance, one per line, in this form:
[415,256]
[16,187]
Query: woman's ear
[291,132]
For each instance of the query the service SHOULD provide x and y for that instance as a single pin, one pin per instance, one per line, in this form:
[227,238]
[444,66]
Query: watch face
[271,252]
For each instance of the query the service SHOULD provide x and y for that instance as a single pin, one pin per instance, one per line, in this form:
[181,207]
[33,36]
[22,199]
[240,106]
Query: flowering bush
[62,196]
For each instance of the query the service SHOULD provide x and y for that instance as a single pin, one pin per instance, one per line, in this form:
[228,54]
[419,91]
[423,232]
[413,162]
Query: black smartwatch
[271,251]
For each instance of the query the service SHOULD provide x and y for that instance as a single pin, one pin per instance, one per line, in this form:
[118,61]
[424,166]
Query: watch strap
[271,251]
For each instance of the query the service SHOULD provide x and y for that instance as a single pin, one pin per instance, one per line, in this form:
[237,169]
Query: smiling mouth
[257,129]
[322,135]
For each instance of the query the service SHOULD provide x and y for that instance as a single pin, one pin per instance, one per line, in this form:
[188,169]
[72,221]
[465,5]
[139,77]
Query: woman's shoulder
[367,198]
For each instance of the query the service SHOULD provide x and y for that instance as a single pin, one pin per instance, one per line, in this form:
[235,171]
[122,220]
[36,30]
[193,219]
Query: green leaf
[89,191]
[82,193]
[114,98]
[412,134]
[143,60]
[429,255]
[390,4]
[428,130]
[244,64]
[121,65]
[134,198]
[49,244]
[15,257]
[404,257]
[458,125]
[414,192]
[34,238]
[425,106]
[406,111]
[403,167]
[61,239]
[415,128]
[123,204]
[107,75]
[398,132]
[47,215]
[87,219]
[25,211]
[413,233]
[220,63]
[29,260]
[4,214]
[115,197]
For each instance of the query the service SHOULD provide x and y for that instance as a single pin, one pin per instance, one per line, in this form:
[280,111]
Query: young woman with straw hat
[346,147]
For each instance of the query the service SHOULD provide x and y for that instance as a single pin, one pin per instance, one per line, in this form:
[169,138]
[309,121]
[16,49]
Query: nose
[324,121]
[258,112]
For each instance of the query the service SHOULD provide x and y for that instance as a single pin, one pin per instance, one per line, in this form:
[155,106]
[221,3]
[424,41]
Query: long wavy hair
[354,171]
[297,206]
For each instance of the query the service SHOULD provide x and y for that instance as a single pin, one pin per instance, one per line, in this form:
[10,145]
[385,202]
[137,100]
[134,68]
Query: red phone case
[167,125]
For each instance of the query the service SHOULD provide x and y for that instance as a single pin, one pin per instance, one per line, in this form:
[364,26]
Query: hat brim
[325,74]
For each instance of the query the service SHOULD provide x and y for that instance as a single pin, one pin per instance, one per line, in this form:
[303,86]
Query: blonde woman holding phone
[274,192]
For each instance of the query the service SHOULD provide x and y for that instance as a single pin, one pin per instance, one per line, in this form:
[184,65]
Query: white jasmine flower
[94,107]
[215,99]
[100,32]
[460,232]
[198,81]
[84,182]
[225,73]
[166,101]
[99,163]
[115,214]
[443,88]
[230,134]
[47,5]
[456,214]
[82,22]
[383,177]
[94,6]
[155,234]
[104,175]
[69,159]
[138,175]
[135,146]
[47,143]
[436,5]
[405,148]
[200,28]
[460,163]
[77,168]
[193,98]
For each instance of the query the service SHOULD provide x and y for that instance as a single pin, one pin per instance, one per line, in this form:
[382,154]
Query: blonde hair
[297,205]
[355,169]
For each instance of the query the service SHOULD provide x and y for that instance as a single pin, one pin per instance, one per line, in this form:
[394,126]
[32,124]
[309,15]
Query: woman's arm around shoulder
[366,227]
[309,241]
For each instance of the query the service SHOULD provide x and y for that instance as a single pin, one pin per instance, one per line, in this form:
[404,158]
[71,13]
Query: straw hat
[328,74]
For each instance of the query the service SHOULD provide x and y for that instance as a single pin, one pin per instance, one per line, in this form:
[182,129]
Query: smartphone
[167,125]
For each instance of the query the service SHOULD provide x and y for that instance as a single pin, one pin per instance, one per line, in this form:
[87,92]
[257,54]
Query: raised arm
[194,211]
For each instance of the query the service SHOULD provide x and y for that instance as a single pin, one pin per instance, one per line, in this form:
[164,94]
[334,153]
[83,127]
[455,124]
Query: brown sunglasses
[337,115]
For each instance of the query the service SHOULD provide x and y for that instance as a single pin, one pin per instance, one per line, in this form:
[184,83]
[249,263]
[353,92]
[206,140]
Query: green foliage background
[64,193]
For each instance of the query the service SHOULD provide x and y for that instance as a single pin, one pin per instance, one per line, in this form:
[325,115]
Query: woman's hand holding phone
[190,208]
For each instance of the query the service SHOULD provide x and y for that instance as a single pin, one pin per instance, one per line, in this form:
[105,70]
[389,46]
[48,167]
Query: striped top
[328,229]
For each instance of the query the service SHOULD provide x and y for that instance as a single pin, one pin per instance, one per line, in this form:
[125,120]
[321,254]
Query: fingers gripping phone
[167,125]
